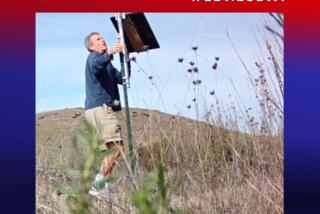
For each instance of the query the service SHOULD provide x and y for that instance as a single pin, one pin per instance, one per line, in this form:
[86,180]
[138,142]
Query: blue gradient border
[17,126]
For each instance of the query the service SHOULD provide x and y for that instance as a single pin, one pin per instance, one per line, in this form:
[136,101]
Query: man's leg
[110,160]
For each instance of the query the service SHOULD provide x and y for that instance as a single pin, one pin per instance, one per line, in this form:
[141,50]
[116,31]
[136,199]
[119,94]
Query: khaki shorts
[106,124]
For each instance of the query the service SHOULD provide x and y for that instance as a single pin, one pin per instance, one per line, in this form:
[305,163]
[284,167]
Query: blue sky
[61,57]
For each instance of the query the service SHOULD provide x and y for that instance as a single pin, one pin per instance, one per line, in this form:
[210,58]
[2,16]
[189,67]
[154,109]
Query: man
[102,99]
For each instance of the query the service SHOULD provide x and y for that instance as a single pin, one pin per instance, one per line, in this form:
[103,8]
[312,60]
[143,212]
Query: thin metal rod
[120,17]
[125,71]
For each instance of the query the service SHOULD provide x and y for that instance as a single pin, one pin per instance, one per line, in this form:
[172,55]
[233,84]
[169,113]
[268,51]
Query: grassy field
[207,169]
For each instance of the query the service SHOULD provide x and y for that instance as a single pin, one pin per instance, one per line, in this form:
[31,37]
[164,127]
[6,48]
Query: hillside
[208,169]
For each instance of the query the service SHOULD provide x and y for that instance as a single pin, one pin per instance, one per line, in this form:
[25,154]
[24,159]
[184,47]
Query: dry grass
[224,172]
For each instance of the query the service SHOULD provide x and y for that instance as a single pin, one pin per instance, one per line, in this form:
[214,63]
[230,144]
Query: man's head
[95,42]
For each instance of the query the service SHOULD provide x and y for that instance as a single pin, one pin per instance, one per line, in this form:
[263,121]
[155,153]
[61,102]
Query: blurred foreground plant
[77,194]
[153,198]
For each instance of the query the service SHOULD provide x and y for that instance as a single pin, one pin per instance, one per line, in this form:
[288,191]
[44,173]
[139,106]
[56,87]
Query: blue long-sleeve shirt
[101,81]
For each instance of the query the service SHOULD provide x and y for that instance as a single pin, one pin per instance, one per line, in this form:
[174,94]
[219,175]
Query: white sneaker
[94,192]
[105,192]
[100,188]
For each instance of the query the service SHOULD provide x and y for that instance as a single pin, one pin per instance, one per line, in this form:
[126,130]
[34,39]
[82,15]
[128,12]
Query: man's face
[98,43]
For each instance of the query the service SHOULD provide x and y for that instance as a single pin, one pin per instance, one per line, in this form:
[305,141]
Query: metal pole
[120,17]
[125,78]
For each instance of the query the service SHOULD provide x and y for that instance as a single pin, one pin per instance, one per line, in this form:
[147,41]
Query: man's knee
[121,147]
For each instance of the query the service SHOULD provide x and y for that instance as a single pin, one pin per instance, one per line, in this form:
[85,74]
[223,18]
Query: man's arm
[99,62]
[118,74]
[117,48]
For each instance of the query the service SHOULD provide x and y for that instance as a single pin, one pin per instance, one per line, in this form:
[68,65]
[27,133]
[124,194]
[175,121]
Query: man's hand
[117,48]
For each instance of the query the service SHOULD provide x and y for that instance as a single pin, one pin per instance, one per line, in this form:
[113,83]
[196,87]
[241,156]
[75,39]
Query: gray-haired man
[102,99]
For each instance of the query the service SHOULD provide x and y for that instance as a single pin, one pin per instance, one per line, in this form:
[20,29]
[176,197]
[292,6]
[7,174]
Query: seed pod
[215,65]
[133,59]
